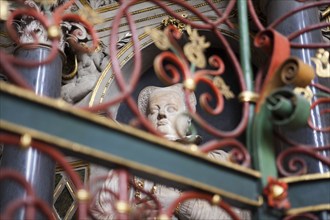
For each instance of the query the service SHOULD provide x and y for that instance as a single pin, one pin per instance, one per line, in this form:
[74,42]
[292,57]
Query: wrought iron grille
[266,105]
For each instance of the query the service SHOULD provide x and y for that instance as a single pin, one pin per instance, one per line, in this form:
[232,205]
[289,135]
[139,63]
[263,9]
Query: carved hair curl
[144,96]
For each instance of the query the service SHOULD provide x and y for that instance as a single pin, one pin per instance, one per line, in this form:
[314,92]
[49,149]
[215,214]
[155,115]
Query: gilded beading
[216,199]
[277,191]
[153,189]
[25,141]
[163,217]
[83,195]
[123,207]
[189,84]
[248,96]
[54,32]
[194,148]
[139,183]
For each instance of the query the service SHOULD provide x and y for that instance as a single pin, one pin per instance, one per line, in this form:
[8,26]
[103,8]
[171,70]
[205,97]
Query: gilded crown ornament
[175,22]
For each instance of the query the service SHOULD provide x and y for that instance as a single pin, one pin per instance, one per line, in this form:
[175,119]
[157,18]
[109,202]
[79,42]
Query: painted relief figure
[165,107]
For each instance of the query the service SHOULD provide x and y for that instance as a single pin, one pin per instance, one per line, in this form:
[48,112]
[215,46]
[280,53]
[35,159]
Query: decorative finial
[216,199]
[189,84]
[54,32]
[82,195]
[25,141]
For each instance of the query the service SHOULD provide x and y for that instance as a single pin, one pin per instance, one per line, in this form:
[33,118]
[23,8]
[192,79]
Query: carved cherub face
[165,112]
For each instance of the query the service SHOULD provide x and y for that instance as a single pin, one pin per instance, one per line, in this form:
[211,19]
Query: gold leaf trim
[308,177]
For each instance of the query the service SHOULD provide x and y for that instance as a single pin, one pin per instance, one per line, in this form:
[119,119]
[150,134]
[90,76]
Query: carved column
[37,168]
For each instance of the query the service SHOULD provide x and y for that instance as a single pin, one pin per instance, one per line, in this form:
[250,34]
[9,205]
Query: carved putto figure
[90,66]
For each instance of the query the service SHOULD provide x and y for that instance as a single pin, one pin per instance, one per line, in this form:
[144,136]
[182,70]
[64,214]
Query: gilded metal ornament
[194,148]
[90,15]
[73,73]
[177,208]
[159,38]
[223,87]
[123,207]
[163,217]
[248,96]
[189,84]
[175,22]
[321,61]
[83,195]
[306,92]
[4,10]
[194,50]
[54,31]
[25,141]
[216,199]
[60,103]
[153,189]
[277,191]
[139,183]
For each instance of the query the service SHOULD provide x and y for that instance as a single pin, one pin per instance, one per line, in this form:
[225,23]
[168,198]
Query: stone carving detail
[74,8]
[165,108]
[31,30]
[75,31]
[124,40]
[101,3]
[90,66]
[325,17]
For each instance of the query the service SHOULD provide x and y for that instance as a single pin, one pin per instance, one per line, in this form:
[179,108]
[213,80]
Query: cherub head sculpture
[166,109]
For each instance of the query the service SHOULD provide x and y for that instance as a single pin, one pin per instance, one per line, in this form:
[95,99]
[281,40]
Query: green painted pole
[256,136]
[245,57]
[258,132]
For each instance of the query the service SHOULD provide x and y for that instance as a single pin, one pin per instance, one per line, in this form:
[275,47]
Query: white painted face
[164,108]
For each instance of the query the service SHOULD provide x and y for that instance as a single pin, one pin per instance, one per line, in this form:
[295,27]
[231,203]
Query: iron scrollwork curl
[212,200]
[238,154]
[170,74]
[180,60]
[307,216]
[298,165]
